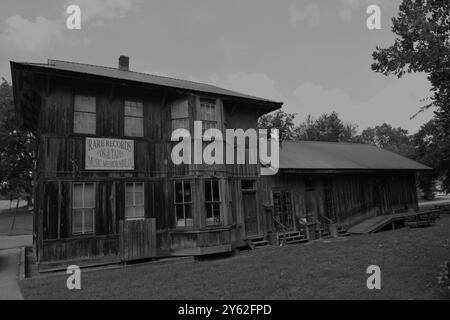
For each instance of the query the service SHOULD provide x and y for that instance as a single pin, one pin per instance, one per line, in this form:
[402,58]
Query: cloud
[311,14]
[97,11]
[256,84]
[39,34]
[395,104]
[313,97]
[29,35]
[347,8]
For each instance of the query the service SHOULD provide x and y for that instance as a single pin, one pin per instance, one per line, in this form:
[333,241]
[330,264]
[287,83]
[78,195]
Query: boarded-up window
[134,119]
[212,201]
[183,204]
[208,114]
[180,115]
[83,208]
[84,118]
[134,200]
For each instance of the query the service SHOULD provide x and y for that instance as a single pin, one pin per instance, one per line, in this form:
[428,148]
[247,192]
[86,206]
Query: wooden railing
[323,218]
[283,227]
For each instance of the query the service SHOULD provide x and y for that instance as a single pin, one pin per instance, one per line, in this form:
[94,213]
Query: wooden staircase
[322,232]
[258,241]
[291,237]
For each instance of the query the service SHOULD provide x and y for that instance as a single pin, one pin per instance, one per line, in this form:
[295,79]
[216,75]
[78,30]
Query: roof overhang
[347,170]
[17,69]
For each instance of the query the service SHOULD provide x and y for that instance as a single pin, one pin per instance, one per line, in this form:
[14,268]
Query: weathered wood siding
[350,196]
[137,239]
[61,162]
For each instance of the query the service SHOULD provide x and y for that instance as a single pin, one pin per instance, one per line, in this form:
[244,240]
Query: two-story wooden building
[106,189]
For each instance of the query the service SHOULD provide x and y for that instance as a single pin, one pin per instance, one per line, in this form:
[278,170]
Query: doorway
[250,207]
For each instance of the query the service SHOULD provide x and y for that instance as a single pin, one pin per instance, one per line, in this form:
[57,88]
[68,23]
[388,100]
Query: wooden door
[250,213]
[137,239]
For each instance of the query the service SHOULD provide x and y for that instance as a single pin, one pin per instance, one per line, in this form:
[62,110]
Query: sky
[313,55]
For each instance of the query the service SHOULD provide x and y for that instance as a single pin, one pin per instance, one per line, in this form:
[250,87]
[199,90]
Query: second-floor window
[84,118]
[134,119]
[180,115]
[208,114]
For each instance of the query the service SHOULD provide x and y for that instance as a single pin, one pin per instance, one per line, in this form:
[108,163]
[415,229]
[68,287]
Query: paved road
[23,219]
[9,265]
[9,268]
[433,203]
[4,204]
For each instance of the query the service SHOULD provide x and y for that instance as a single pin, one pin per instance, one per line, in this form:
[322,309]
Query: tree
[387,137]
[328,127]
[280,120]
[16,149]
[423,45]
[431,151]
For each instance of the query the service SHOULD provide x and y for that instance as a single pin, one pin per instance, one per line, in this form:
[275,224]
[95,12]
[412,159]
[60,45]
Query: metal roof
[309,155]
[145,78]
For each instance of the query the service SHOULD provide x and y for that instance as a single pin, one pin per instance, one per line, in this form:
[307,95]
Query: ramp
[374,224]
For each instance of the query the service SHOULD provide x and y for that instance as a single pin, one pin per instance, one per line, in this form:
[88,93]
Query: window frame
[83,209]
[134,205]
[183,203]
[211,202]
[284,208]
[186,118]
[75,111]
[209,119]
[125,117]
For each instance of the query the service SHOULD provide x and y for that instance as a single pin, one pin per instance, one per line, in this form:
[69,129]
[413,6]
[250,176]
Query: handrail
[282,226]
[330,221]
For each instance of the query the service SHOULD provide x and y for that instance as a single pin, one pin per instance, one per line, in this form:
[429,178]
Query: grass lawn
[410,262]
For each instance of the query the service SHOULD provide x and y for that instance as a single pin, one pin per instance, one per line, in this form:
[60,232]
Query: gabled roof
[144,78]
[312,155]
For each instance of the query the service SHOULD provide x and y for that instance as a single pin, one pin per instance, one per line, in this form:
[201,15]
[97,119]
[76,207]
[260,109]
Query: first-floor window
[183,204]
[212,201]
[134,200]
[83,208]
[282,206]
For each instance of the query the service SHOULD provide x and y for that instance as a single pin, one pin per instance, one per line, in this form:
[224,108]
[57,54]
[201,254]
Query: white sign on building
[109,154]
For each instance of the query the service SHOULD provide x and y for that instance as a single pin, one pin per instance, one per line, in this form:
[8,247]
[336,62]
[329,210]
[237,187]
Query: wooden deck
[411,218]
[374,224]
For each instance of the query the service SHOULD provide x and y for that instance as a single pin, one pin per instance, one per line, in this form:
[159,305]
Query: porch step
[323,234]
[291,237]
[259,244]
[342,232]
[258,241]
